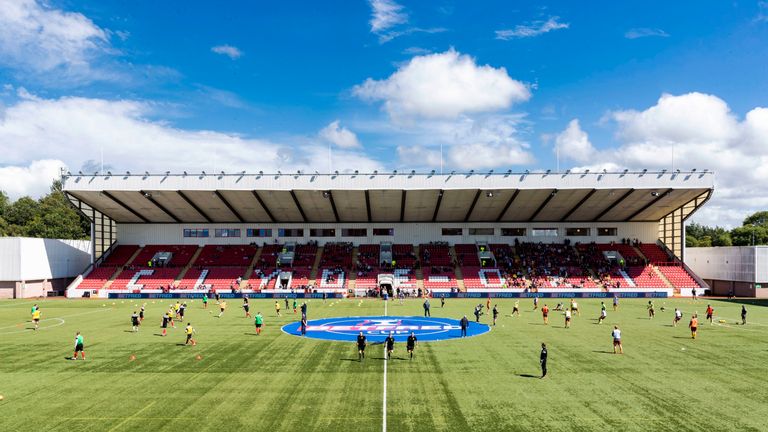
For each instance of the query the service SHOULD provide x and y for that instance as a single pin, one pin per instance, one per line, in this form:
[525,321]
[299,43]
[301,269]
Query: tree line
[753,231]
[51,216]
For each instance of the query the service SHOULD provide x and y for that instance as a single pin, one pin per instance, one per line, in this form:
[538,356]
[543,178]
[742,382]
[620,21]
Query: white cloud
[34,179]
[339,136]
[468,143]
[696,130]
[532,29]
[228,50]
[416,51]
[74,130]
[636,33]
[419,156]
[762,11]
[386,14]
[37,38]
[573,143]
[443,85]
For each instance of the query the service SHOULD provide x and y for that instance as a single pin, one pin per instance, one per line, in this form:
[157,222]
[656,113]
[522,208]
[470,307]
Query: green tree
[52,216]
[705,241]
[723,239]
[5,202]
[749,235]
[691,241]
[22,211]
[759,218]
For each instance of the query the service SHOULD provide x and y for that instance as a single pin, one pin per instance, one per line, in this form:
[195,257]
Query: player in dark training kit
[361,342]
[166,320]
[390,341]
[246,307]
[543,359]
[410,345]
[135,321]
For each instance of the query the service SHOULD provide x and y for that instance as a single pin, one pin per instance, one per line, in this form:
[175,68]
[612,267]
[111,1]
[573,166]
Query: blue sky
[385,84]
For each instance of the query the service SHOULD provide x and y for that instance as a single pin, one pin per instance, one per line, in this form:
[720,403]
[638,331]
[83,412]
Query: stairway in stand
[417,271]
[186,268]
[316,266]
[665,280]
[352,273]
[120,269]
[249,270]
[457,270]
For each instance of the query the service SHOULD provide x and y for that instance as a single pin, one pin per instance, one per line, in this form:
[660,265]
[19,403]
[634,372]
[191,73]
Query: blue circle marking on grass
[376,328]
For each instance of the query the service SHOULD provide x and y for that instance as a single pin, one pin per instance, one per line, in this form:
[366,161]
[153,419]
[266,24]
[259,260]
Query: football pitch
[234,380]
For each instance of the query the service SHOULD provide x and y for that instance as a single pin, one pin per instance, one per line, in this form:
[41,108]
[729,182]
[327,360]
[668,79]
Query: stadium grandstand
[362,234]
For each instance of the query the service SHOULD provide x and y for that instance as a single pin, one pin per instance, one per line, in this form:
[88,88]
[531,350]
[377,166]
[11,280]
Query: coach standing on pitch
[426,308]
[464,324]
[543,359]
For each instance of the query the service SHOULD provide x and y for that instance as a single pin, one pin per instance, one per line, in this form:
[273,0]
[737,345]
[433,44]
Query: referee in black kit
[543,359]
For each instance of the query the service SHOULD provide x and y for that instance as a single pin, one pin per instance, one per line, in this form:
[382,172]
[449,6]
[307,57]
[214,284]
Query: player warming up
[277,307]
[615,303]
[693,325]
[567,318]
[411,344]
[516,308]
[222,308]
[189,332]
[678,317]
[603,315]
[166,320]
[545,314]
[710,314]
[495,314]
[246,307]
[78,346]
[135,322]
[36,317]
[259,321]
[651,310]
[616,335]
[361,342]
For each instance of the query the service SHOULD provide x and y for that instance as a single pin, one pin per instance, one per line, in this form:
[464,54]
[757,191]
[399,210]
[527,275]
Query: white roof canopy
[389,197]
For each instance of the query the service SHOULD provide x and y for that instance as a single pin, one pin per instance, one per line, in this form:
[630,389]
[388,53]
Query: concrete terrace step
[120,269]
[186,268]
[315,266]
[249,270]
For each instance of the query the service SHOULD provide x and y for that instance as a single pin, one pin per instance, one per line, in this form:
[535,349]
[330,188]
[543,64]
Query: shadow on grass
[527,376]
[681,337]
[350,359]
[603,352]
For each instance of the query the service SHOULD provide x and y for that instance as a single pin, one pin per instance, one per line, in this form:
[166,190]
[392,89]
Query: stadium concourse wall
[403,233]
[35,267]
[738,270]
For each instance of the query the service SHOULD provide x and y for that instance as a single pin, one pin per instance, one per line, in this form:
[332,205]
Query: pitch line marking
[384,403]
[25,330]
[133,416]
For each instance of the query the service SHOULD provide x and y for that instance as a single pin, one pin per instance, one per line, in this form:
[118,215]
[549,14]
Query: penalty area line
[384,399]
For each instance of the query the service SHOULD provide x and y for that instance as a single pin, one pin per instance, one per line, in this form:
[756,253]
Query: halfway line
[384,404]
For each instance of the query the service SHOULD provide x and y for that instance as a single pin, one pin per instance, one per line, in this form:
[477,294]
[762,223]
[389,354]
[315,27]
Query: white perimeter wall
[24,259]
[413,233]
[736,263]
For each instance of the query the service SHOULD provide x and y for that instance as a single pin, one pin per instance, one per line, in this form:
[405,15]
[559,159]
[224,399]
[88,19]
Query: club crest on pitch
[376,328]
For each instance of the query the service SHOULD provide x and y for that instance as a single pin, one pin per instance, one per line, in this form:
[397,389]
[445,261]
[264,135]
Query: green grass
[277,382]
